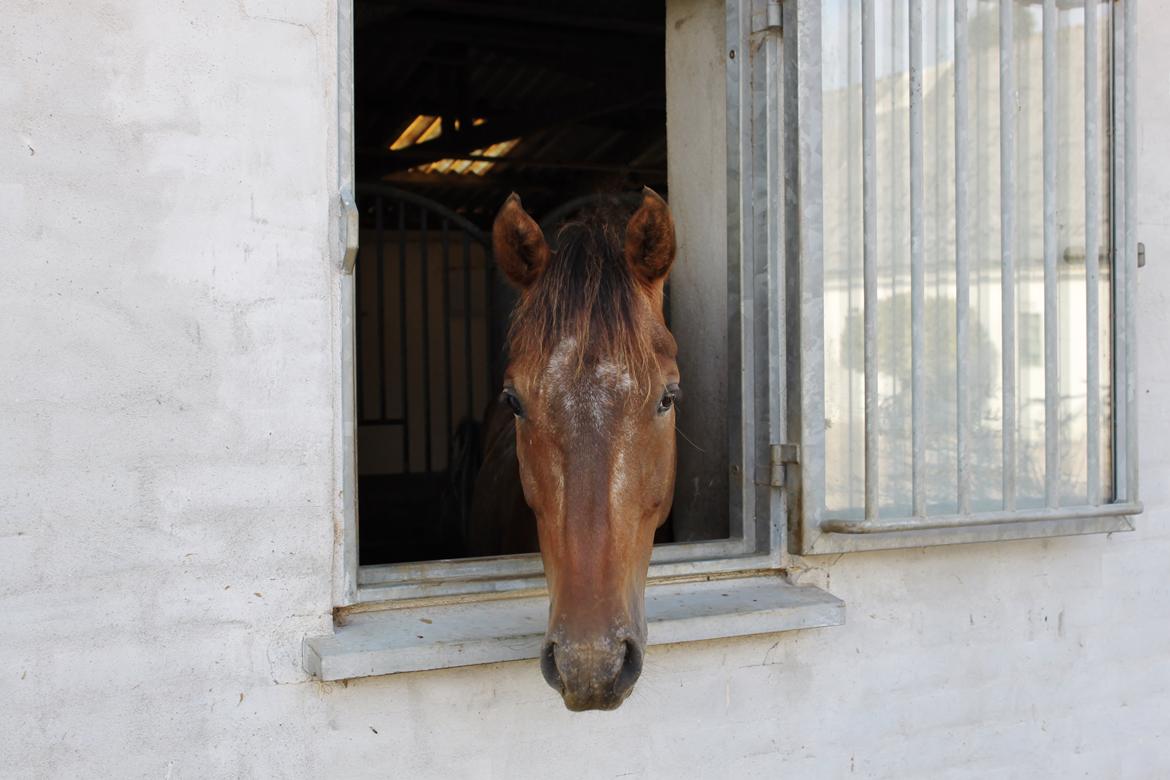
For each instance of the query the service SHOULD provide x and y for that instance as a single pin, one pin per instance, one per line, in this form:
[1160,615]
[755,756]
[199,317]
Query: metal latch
[782,455]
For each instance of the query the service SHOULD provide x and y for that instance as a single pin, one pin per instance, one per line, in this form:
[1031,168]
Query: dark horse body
[501,521]
[580,456]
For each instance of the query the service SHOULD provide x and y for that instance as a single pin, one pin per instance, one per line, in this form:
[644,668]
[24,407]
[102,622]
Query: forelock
[585,310]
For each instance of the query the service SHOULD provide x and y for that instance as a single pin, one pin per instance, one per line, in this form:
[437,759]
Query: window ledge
[439,637]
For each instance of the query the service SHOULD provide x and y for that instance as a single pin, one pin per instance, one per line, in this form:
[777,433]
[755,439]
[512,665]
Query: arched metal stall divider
[432,314]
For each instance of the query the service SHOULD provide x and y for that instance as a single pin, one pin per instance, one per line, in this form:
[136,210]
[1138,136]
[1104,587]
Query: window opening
[456,106]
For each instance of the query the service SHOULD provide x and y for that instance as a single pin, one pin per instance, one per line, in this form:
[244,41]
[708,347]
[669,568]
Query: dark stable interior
[459,104]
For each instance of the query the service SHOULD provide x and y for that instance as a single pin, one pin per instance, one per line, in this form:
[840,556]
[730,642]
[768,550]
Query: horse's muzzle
[592,675]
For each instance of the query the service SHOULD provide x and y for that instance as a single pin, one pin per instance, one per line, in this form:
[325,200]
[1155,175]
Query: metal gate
[428,333]
[431,316]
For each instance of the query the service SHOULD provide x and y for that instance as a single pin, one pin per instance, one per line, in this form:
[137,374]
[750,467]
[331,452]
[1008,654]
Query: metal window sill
[442,636]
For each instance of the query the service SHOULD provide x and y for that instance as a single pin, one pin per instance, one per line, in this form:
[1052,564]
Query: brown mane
[589,294]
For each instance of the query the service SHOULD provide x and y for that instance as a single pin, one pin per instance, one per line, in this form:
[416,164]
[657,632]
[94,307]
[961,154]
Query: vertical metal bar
[938,182]
[1129,253]
[768,256]
[962,272]
[896,224]
[979,202]
[494,344]
[747,292]
[379,232]
[448,393]
[361,281]
[424,264]
[467,378]
[1118,274]
[937,185]
[1007,237]
[917,268]
[803,67]
[1092,251]
[852,38]
[1051,300]
[345,563]
[869,253]
[403,375]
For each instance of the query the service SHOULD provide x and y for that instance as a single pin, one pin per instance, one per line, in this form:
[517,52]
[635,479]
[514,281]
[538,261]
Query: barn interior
[459,104]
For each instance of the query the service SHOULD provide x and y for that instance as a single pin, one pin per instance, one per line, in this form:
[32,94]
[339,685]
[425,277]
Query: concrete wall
[168,490]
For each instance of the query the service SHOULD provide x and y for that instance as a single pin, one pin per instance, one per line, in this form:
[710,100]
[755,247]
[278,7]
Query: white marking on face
[561,359]
[559,373]
[618,475]
[585,404]
[594,399]
[614,376]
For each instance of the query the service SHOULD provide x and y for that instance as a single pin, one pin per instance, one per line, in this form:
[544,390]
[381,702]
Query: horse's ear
[650,241]
[518,243]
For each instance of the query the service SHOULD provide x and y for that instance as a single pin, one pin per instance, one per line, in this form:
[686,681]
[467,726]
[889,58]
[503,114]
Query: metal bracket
[349,230]
[781,456]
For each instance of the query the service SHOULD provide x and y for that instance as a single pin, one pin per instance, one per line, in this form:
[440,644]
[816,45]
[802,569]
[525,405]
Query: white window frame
[812,531]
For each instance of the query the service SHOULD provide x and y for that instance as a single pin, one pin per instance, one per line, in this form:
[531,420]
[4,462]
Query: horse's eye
[669,398]
[509,397]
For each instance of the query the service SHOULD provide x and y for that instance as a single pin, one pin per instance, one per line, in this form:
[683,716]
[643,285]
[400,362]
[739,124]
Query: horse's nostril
[548,667]
[631,668]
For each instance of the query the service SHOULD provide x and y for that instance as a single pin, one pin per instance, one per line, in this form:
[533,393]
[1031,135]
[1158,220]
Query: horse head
[592,382]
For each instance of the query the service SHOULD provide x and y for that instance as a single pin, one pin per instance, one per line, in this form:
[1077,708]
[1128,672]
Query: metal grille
[1059,458]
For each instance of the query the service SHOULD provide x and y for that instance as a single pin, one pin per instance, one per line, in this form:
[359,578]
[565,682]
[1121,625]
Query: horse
[588,459]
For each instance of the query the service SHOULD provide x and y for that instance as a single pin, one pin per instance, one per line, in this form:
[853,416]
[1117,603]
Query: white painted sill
[414,638]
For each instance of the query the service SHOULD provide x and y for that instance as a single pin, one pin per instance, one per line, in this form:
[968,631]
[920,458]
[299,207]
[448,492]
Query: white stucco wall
[168,484]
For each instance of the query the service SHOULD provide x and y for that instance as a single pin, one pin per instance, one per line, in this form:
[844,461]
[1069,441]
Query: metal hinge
[1141,252]
[349,230]
[773,17]
[782,456]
